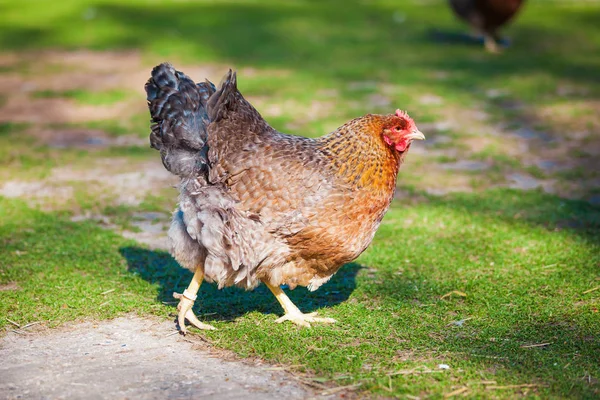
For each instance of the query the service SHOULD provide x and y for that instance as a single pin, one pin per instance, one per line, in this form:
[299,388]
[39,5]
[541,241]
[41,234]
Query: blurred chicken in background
[486,17]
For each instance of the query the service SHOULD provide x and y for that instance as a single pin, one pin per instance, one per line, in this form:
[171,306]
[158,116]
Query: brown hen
[486,17]
[257,205]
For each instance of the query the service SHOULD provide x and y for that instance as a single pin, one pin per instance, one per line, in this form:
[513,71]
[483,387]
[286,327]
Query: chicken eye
[397,129]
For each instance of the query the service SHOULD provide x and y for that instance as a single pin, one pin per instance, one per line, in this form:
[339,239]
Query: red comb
[404,115]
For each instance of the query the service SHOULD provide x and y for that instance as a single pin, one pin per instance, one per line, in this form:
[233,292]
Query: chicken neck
[361,158]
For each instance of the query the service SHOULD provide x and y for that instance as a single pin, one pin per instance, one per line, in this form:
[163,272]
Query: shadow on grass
[399,312]
[374,41]
[534,208]
[454,37]
[158,267]
[303,36]
[505,337]
[526,316]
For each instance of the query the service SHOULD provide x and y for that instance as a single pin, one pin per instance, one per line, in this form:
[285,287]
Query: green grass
[364,42]
[322,71]
[522,266]
[135,125]
[63,268]
[84,96]
[22,157]
[525,260]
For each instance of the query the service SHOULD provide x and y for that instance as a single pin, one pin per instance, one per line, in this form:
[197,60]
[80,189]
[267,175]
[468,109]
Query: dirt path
[129,357]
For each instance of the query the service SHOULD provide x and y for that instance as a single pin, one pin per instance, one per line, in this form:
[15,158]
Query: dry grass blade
[591,290]
[340,389]
[456,392]
[20,332]
[13,322]
[296,365]
[31,324]
[456,292]
[526,385]
[414,371]
[459,322]
[190,335]
[312,384]
[528,346]
[108,291]
[337,378]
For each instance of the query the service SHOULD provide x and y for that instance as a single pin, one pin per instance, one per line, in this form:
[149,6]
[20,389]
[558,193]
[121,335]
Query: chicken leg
[186,302]
[491,45]
[292,313]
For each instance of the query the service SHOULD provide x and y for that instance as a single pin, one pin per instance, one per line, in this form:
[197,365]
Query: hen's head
[399,130]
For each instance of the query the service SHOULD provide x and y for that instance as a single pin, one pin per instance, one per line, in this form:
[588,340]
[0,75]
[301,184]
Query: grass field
[488,261]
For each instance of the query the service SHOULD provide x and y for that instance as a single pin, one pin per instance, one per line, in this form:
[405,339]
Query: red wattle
[402,145]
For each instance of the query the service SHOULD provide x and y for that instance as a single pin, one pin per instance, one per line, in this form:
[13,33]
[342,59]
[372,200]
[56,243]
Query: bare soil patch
[82,138]
[71,70]
[122,181]
[9,286]
[24,109]
[131,357]
[567,156]
[568,146]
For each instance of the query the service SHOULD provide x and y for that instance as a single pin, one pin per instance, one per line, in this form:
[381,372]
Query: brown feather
[486,16]
[265,206]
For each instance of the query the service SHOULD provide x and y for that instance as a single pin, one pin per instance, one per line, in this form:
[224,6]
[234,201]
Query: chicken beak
[415,135]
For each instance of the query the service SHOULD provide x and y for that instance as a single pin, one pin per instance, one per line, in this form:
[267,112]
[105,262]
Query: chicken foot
[186,302]
[292,313]
[491,46]
[491,42]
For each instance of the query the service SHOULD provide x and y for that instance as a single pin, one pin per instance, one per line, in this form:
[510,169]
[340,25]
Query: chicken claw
[185,312]
[292,313]
[304,319]
[491,45]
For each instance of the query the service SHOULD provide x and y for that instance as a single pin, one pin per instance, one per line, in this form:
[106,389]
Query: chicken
[257,205]
[486,16]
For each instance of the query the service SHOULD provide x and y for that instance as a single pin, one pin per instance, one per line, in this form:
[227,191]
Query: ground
[130,357]
[482,281]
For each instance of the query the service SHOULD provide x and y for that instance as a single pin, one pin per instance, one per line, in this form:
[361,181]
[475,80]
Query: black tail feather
[178,109]
[181,111]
